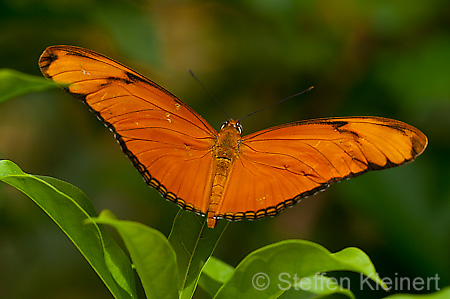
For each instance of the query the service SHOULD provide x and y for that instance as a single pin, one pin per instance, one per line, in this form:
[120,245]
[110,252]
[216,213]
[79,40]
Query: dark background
[384,58]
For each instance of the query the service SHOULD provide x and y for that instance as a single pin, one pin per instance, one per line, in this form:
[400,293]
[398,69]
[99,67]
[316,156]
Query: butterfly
[224,174]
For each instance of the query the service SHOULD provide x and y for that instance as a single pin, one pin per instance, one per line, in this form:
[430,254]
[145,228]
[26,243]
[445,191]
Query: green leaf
[214,274]
[218,269]
[68,207]
[152,256]
[442,294]
[14,84]
[271,270]
[193,243]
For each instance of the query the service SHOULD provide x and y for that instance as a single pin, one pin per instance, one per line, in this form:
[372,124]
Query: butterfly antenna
[209,94]
[276,103]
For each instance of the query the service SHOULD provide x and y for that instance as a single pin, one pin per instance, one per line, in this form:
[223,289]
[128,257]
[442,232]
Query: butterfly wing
[167,141]
[278,166]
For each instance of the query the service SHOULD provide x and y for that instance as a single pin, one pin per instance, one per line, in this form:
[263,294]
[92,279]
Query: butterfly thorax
[225,151]
[227,140]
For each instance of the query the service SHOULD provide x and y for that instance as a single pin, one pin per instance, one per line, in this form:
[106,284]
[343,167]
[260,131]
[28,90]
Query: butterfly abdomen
[224,154]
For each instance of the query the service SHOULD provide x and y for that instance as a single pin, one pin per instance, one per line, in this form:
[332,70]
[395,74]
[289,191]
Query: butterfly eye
[239,127]
[224,125]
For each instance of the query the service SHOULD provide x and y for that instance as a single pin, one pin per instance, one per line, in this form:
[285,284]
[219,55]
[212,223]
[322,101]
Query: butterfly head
[232,125]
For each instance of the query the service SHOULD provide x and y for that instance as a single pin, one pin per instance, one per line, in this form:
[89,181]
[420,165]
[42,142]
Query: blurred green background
[384,58]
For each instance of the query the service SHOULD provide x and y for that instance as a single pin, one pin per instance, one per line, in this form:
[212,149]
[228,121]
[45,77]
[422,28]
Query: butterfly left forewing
[87,74]
[283,164]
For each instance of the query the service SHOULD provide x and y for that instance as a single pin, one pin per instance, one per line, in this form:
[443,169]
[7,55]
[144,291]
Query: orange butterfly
[225,175]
